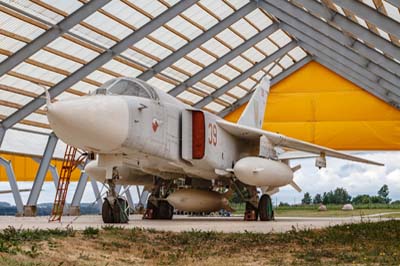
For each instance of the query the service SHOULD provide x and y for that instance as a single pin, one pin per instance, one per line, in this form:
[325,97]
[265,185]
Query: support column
[2,133]
[97,194]
[129,198]
[143,197]
[54,175]
[138,191]
[30,207]
[74,210]
[53,171]
[13,184]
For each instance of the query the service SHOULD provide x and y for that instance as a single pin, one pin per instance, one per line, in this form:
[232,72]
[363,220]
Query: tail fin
[253,115]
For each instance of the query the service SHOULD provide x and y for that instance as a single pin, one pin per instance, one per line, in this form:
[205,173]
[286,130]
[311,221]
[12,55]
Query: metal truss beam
[129,198]
[195,43]
[307,23]
[2,134]
[96,191]
[254,69]
[356,79]
[55,177]
[344,23]
[275,80]
[54,174]
[99,61]
[343,63]
[80,188]
[369,14]
[79,37]
[318,40]
[51,34]
[346,56]
[395,3]
[52,169]
[314,37]
[143,198]
[13,184]
[40,175]
[224,59]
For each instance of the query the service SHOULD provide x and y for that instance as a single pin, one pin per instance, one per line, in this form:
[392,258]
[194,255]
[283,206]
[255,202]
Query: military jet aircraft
[189,159]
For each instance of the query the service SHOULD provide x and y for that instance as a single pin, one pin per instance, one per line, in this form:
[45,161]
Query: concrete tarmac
[185,223]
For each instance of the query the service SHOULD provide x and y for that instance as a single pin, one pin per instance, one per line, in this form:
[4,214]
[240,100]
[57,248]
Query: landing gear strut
[265,208]
[114,209]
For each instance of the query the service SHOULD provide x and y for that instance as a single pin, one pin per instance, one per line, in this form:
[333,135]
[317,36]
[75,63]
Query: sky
[356,178]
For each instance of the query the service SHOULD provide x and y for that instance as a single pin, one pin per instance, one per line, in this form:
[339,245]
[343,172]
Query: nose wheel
[115,209]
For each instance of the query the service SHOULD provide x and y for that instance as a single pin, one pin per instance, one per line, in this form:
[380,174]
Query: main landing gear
[264,210]
[114,209]
[157,207]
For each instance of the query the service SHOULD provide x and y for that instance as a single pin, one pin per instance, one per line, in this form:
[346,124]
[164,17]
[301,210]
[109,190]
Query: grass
[362,244]
[393,215]
[91,232]
[333,210]
[330,213]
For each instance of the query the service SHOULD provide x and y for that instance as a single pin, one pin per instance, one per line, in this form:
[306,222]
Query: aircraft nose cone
[95,123]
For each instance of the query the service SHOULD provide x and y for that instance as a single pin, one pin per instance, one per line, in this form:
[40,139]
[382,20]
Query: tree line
[341,196]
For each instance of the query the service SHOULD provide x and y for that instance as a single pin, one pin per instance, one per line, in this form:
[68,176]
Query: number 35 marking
[212,134]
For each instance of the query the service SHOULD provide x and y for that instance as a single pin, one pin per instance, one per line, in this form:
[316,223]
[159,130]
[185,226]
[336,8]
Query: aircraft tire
[107,212]
[165,211]
[121,211]
[265,208]
[248,210]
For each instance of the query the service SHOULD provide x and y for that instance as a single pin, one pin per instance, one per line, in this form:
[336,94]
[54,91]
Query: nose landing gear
[115,209]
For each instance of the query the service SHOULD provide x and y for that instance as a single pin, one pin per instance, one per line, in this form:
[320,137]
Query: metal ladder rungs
[69,164]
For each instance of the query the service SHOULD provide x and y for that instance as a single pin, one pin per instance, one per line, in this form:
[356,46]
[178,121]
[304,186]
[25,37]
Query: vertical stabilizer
[253,115]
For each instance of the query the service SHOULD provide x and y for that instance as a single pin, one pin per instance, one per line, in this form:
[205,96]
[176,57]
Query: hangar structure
[340,56]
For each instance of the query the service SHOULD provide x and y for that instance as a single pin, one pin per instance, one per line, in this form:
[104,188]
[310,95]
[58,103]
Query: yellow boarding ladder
[68,166]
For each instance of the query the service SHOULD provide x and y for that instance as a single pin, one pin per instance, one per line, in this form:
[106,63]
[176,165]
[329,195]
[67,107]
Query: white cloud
[357,178]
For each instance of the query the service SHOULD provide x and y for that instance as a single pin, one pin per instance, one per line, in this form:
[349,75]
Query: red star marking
[154,125]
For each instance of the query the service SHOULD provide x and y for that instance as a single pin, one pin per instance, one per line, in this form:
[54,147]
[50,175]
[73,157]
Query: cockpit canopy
[128,87]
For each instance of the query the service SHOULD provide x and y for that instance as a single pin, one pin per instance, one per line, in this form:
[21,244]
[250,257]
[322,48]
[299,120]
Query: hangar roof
[207,53]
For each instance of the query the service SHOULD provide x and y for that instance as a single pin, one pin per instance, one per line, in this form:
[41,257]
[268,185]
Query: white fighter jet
[191,160]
